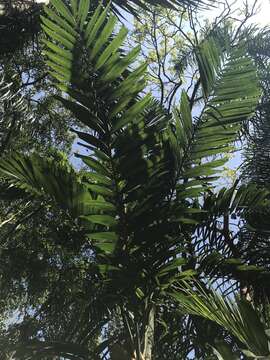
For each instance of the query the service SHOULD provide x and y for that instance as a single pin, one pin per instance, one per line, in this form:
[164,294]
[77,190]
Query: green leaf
[111,73]
[98,178]
[112,47]
[83,11]
[39,176]
[67,43]
[223,351]
[101,205]
[172,265]
[96,25]
[206,169]
[102,190]
[106,247]
[132,114]
[91,140]
[105,220]
[102,39]
[59,20]
[186,114]
[104,236]
[69,36]
[63,9]
[83,114]
[95,165]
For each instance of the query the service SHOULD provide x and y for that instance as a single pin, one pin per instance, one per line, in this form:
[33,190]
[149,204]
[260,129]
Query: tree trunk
[149,335]
[139,341]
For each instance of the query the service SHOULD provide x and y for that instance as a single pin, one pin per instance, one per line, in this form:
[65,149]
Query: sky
[263,10]
[263,16]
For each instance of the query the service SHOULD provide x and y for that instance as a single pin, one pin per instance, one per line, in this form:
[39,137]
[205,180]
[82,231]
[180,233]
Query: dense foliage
[118,256]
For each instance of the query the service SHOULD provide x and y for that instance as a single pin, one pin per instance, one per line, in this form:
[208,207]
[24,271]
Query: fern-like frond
[238,317]
[225,207]
[40,176]
[134,6]
[230,88]
[124,130]
[220,256]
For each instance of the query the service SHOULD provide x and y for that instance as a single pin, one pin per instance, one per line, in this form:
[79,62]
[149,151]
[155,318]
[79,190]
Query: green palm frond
[215,233]
[238,317]
[40,176]
[130,159]
[231,203]
[229,84]
[236,199]
[125,130]
[133,6]
[209,56]
[224,351]
[216,266]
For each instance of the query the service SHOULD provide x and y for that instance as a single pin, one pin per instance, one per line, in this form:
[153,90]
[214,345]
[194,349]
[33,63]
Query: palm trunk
[149,335]
[140,338]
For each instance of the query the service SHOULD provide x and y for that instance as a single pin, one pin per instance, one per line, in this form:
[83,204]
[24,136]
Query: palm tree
[140,200]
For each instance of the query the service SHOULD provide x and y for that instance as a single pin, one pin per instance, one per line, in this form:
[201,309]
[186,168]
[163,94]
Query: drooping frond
[227,213]
[238,317]
[40,176]
[134,6]
[226,206]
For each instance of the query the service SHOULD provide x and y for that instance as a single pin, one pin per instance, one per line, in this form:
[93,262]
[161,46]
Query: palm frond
[134,6]
[227,205]
[125,130]
[40,176]
[230,89]
[238,317]
[226,214]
